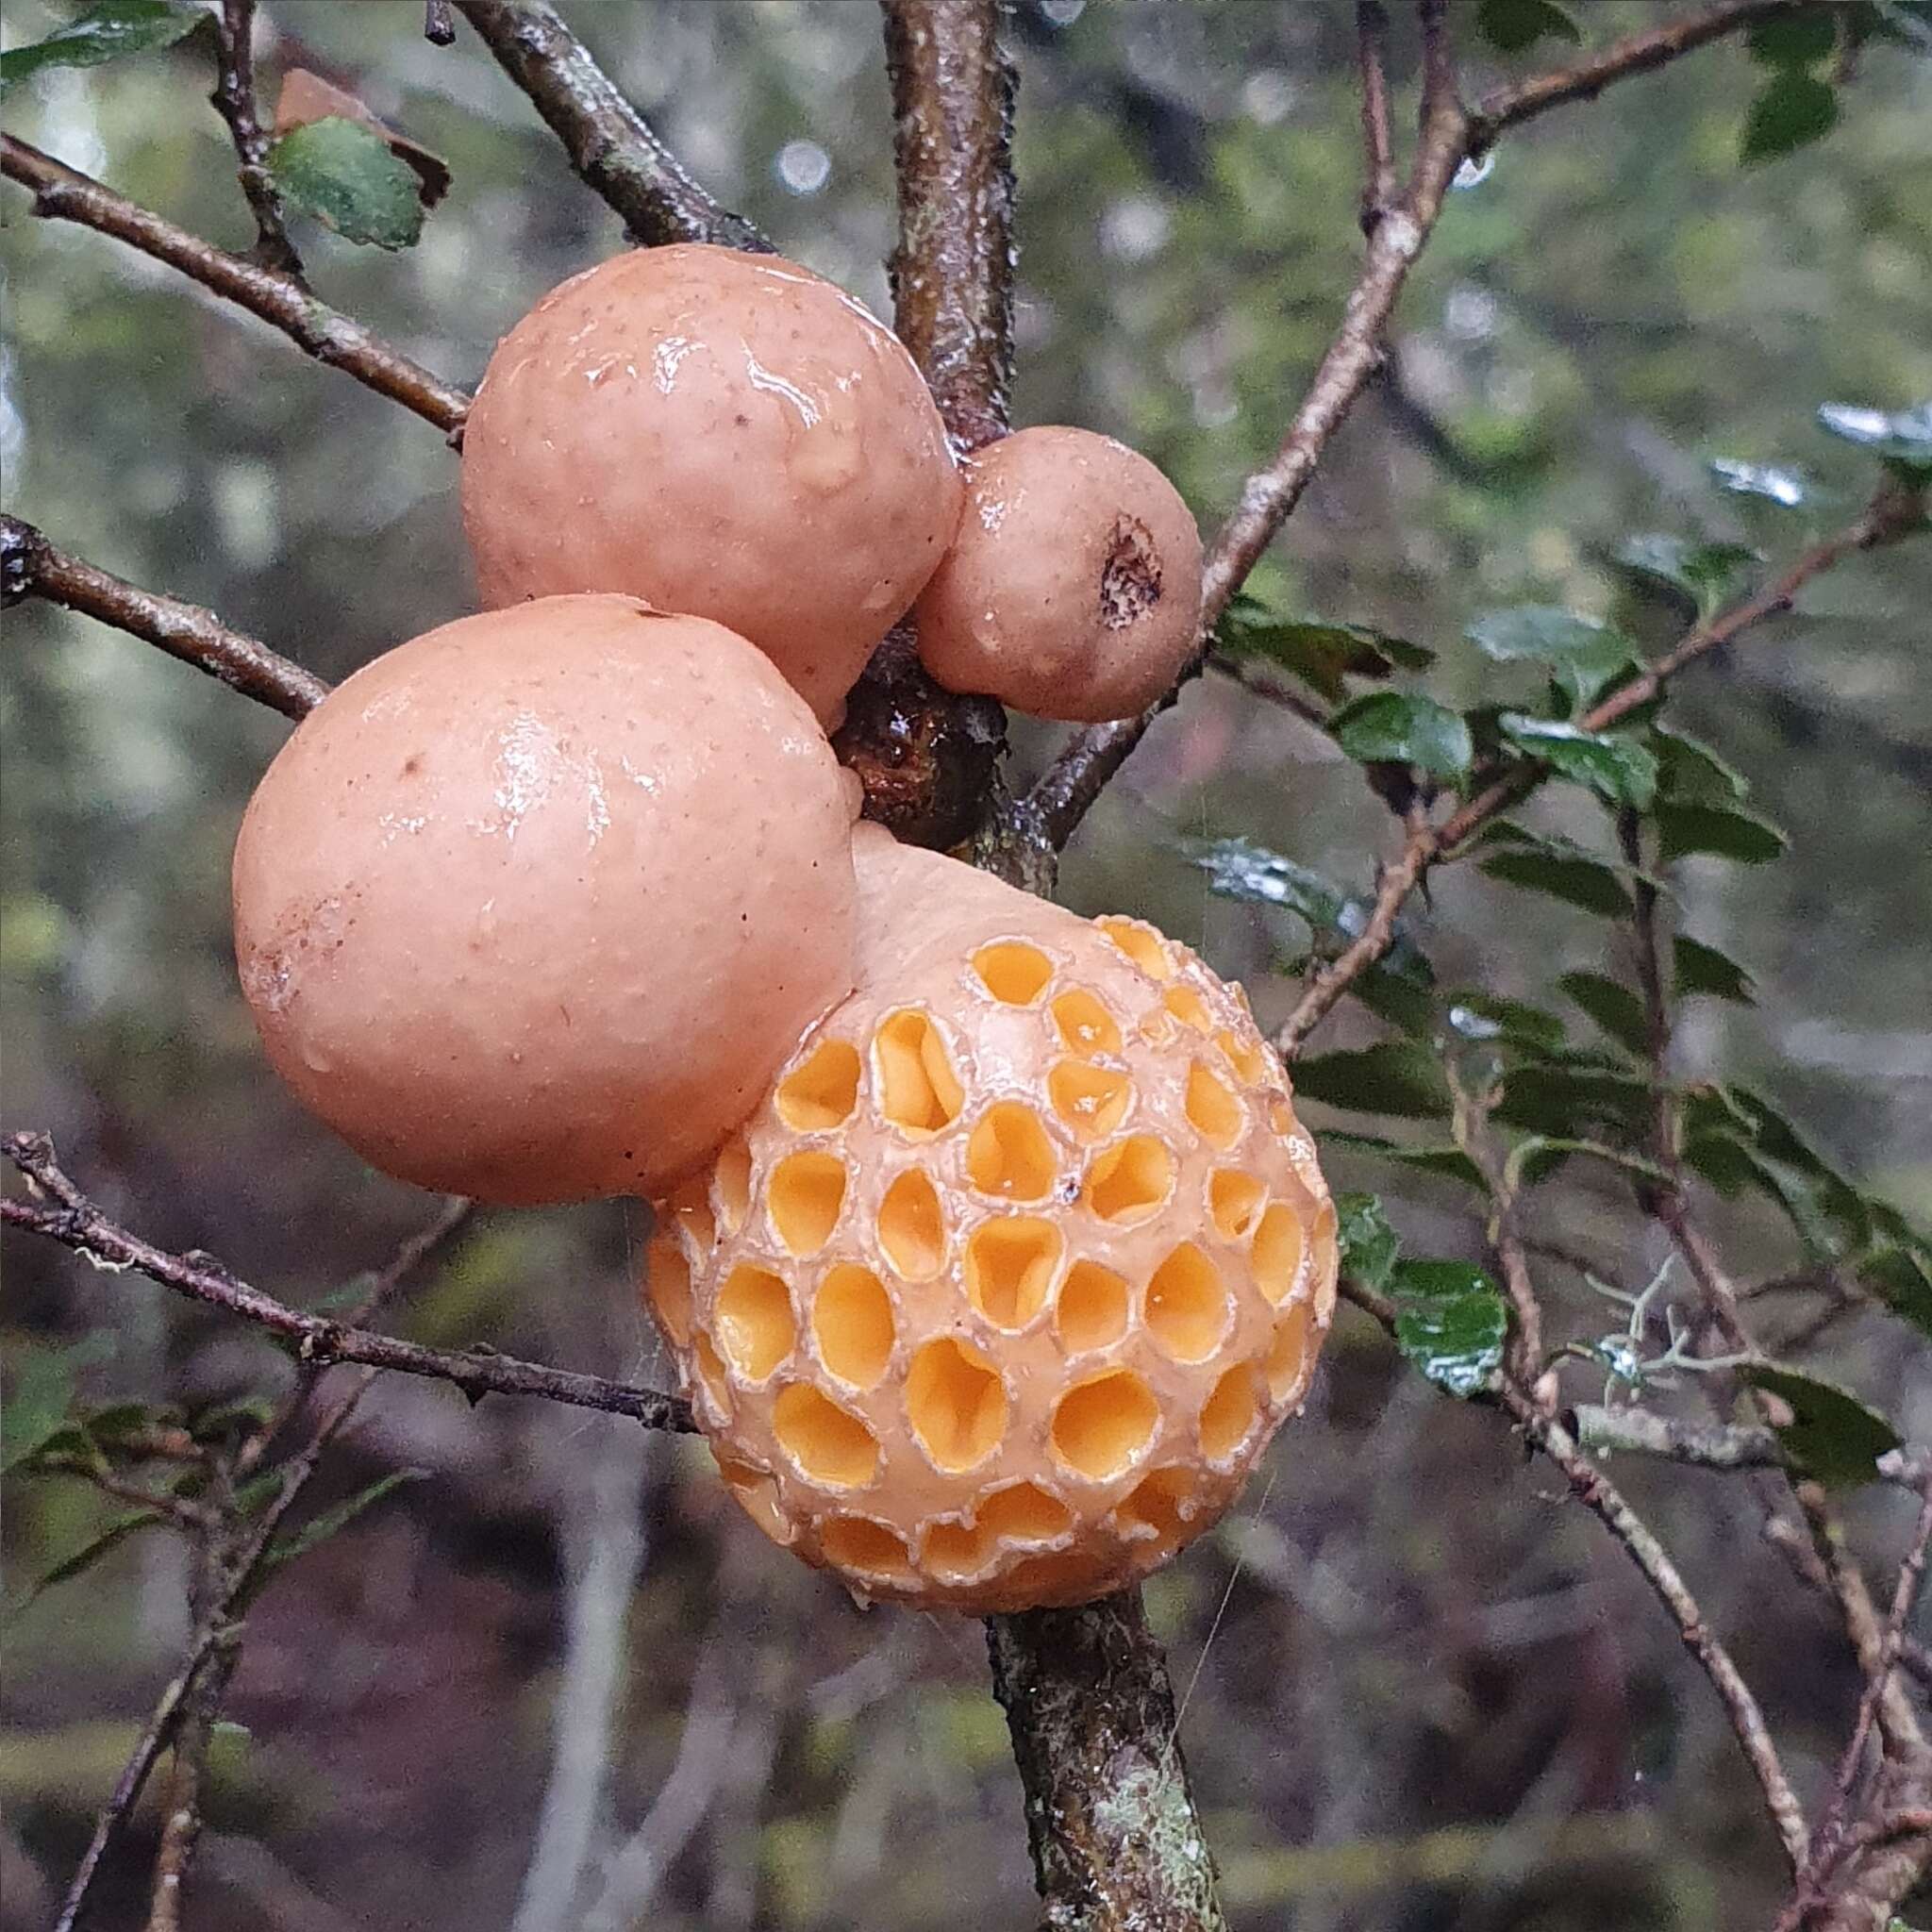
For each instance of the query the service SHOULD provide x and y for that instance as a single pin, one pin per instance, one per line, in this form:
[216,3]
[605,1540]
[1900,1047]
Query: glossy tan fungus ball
[1073,588]
[721,433]
[533,907]
[1010,1277]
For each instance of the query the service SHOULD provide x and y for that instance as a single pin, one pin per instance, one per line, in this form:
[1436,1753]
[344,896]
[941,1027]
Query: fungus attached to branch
[534,906]
[719,433]
[1048,1306]
[1073,587]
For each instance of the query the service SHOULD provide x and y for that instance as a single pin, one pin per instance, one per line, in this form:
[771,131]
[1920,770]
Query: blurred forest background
[1434,1700]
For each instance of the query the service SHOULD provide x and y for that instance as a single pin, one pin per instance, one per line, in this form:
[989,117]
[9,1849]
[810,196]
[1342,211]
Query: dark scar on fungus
[1130,575]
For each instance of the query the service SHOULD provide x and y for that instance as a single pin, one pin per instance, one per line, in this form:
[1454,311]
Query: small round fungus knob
[533,907]
[1011,1275]
[1072,589]
[720,433]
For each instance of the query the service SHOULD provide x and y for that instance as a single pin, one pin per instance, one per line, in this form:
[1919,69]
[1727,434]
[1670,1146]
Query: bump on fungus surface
[1041,1327]
[510,936]
[1072,589]
[719,433]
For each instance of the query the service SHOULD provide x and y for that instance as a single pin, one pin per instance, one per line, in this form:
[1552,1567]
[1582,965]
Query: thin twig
[64,193]
[234,101]
[1084,767]
[32,567]
[1371,68]
[1886,520]
[1438,61]
[611,147]
[1634,1431]
[77,1223]
[1596,1492]
[1639,53]
[216,1634]
[953,85]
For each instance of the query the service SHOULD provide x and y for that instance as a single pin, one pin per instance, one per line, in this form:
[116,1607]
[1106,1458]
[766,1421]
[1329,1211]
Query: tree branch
[31,567]
[611,147]
[1639,53]
[1372,69]
[77,1223]
[63,193]
[1895,512]
[1596,1492]
[1115,1837]
[953,86]
[234,101]
[1697,1446]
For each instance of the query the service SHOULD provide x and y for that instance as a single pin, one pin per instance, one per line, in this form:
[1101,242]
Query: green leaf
[1829,1214]
[346,175]
[110,30]
[40,1405]
[1239,869]
[1832,1435]
[1585,659]
[1791,108]
[1618,768]
[1369,1244]
[1321,654]
[1901,1278]
[333,1522]
[1684,829]
[90,1552]
[1701,969]
[1444,1159]
[1905,436]
[1476,1015]
[1393,1078]
[1775,483]
[1539,1156]
[1558,1098]
[1404,729]
[1559,868]
[1704,574]
[1512,25]
[1613,1006]
[1398,998]
[1450,1323]
[1690,771]
[1793,39]
[1722,1159]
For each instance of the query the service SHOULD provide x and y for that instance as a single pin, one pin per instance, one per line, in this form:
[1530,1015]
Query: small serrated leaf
[90,1552]
[1617,769]
[345,174]
[1833,1436]
[1902,1280]
[1321,654]
[1443,1159]
[1800,39]
[1558,867]
[1902,437]
[1476,1015]
[1685,829]
[1689,770]
[1704,575]
[1450,1323]
[1512,26]
[1585,659]
[104,33]
[1787,488]
[1404,729]
[1792,109]
[1701,969]
[1394,1077]
[1561,1098]
[1369,1244]
[333,1522]
[1613,1006]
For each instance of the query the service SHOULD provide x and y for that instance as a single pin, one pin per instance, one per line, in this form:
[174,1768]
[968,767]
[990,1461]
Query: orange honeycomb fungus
[1001,1292]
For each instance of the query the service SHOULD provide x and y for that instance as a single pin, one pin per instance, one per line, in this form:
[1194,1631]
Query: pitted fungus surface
[1003,1290]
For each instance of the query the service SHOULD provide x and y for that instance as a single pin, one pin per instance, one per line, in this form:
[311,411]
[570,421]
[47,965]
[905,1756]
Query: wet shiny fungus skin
[1072,589]
[718,433]
[1047,1312]
[509,917]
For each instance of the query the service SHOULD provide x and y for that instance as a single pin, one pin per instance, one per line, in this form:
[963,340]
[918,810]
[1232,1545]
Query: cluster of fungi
[986,1241]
